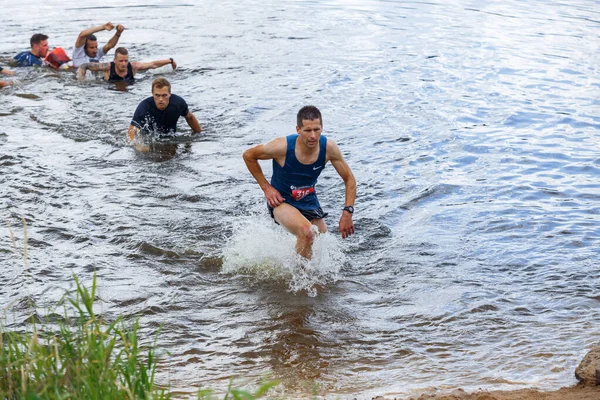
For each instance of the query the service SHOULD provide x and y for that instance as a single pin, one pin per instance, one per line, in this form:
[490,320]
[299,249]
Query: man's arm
[143,66]
[90,31]
[131,133]
[137,144]
[275,149]
[193,122]
[113,40]
[346,225]
[6,71]
[92,67]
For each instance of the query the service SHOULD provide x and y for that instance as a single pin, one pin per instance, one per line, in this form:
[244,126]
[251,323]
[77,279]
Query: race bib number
[301,192]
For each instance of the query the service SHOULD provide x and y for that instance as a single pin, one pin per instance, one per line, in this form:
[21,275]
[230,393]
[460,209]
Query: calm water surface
[472,128]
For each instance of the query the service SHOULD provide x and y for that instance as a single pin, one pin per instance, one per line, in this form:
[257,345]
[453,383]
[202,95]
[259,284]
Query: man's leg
[291,219]
[320,223]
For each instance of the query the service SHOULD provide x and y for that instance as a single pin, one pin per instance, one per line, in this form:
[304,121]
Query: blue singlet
[296,181]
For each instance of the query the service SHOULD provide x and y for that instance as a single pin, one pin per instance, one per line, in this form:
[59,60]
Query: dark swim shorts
[317,213]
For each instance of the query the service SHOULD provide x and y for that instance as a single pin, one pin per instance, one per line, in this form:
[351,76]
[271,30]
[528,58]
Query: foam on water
[266,251]
[165,69]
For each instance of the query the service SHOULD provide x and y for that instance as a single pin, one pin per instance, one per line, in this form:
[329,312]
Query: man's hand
[132,132]
[108,26]
[142,148]
[346,224]
[193,123]
[173,64]
[134,140]
[81,73]
[274,198]
[120,29]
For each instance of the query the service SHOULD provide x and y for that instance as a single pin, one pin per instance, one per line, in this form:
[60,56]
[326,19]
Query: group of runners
[298,159]
[87,54]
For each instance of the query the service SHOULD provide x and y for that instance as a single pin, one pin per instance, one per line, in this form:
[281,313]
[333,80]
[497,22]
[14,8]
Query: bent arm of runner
[193,122]
[90,31]
[6,71]
[143,66]
[113,40]
[82,70]
[346,225]
[275,149]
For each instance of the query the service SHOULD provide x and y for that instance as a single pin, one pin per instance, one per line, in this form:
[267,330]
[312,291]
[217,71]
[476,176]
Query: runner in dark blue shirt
[35,56]
[297,162]
[161,112]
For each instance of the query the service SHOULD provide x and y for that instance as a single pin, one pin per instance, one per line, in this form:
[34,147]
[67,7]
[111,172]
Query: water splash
[266,251]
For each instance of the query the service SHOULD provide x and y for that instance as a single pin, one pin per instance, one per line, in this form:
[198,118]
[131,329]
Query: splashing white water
[266,251]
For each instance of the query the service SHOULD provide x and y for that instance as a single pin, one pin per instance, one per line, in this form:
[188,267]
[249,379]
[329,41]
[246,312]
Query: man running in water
[121,70]
[86,46]
[297,162]
[35,56]
[160,113]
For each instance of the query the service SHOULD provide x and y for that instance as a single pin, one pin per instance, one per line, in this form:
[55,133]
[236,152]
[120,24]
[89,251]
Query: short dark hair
[160,83]
[308,113]
[122,51]
[37,38]
[93,38]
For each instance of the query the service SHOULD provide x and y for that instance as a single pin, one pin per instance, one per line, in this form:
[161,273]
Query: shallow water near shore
[471,127]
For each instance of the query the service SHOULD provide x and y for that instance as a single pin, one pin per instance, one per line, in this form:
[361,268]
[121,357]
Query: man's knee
[307,234]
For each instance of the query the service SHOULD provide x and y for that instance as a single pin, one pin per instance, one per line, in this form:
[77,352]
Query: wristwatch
[171,58]
[350,209]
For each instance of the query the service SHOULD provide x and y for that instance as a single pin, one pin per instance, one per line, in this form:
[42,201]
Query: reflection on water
[120,86]
[471,128]
[157,151]
[295,348]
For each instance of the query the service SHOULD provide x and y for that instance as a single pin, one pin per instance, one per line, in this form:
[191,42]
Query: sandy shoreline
[588,388]
[577,392]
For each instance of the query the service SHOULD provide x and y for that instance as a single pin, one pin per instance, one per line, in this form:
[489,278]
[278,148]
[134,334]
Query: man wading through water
[159,114]
[121,70]
[297,162]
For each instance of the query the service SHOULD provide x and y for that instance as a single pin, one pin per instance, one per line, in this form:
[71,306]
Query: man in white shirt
[86,46]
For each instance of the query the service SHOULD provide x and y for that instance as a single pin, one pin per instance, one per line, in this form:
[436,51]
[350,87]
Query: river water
[472,128]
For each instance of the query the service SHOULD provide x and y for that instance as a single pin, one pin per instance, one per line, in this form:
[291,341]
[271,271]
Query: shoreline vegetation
[82,356]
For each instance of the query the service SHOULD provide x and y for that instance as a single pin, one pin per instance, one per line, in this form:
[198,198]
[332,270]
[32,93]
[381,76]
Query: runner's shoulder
[275,148]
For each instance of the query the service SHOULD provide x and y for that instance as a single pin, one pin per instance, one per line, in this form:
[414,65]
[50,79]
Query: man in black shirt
[160,112]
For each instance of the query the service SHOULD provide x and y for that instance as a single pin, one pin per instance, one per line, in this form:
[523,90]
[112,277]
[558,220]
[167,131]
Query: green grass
[83,358]
[86,357]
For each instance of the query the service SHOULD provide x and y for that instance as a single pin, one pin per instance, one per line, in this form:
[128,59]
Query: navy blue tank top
[296,181]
